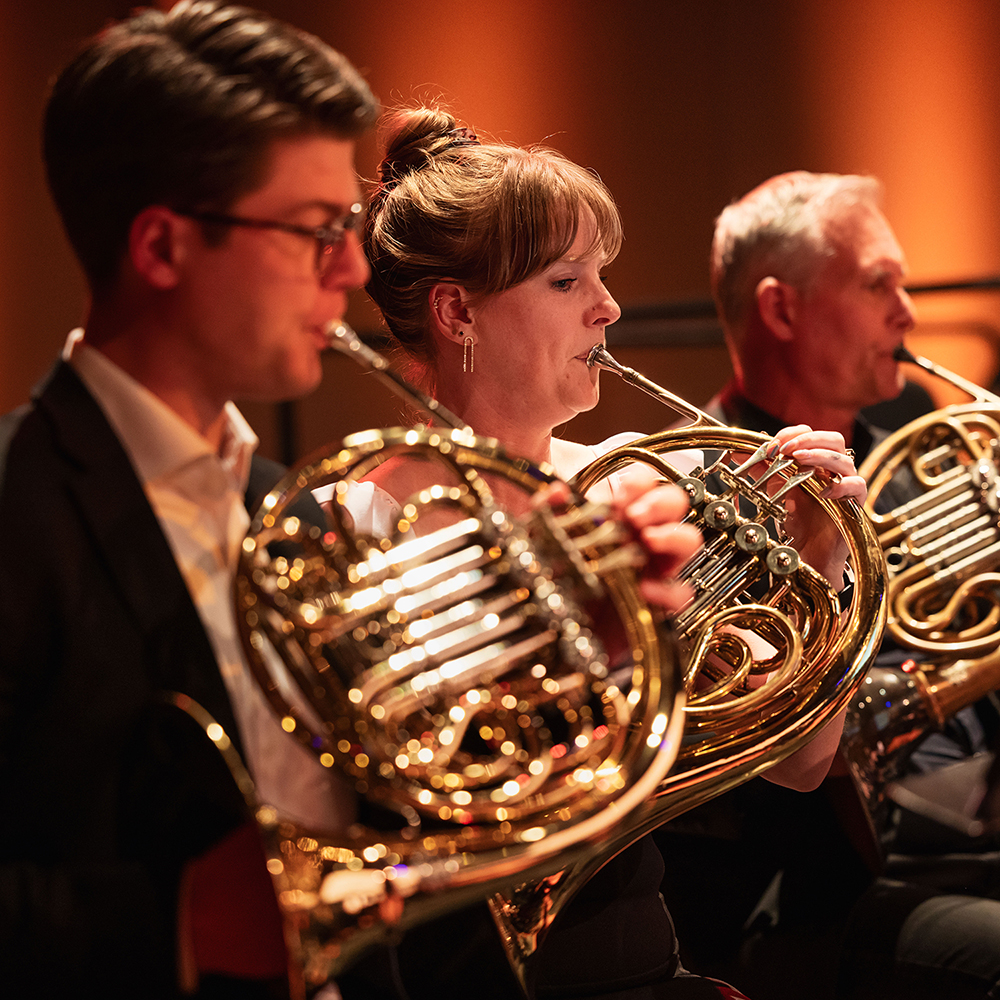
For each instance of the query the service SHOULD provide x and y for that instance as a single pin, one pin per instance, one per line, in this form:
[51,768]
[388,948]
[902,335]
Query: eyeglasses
[328,238]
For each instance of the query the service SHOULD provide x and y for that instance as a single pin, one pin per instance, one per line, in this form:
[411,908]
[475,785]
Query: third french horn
[934,496]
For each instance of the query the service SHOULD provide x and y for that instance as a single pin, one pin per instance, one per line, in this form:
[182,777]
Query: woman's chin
[587,403]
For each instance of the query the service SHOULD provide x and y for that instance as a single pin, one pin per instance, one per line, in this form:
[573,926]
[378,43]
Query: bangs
[544,202]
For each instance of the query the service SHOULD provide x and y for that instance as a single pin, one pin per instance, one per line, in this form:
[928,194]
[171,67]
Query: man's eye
[563,284]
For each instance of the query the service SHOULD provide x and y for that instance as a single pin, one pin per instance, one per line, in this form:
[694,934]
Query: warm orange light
[907,92]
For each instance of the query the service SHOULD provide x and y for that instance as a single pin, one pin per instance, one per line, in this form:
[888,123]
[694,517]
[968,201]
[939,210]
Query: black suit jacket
[106,790]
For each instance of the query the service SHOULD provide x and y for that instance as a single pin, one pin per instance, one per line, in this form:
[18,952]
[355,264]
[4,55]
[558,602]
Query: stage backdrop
[679,106]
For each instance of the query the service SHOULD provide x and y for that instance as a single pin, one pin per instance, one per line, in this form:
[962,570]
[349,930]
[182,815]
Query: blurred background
[680,105]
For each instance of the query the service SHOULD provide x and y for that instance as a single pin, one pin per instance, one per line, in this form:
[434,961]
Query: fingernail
[637,509]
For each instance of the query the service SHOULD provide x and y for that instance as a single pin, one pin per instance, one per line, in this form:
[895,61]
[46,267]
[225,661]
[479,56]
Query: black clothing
[614,941]
[108,790]
[789,890]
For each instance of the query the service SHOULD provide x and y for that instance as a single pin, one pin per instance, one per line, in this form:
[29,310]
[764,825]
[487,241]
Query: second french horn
[770,656]
[501,742]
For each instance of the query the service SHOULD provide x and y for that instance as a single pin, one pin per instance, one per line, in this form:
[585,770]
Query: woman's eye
[563,284]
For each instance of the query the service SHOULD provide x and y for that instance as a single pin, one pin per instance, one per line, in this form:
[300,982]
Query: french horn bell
[454,671]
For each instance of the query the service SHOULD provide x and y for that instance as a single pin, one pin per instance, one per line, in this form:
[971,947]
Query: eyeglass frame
[327,238]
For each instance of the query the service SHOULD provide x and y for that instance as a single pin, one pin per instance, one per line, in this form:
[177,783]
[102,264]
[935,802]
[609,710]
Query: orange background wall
[680,105]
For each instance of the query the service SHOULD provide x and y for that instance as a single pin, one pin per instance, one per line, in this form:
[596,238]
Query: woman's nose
[607,311]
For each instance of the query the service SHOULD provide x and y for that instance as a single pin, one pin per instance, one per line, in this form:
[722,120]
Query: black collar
[740,412]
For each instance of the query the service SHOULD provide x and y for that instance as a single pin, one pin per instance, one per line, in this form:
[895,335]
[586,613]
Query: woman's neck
[513,428]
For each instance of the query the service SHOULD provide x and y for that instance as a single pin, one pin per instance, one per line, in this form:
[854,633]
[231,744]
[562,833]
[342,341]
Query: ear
[155,245]
[778,305]
[450,311]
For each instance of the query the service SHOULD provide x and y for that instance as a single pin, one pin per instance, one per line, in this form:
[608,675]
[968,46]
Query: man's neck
[793,407]
[142,350]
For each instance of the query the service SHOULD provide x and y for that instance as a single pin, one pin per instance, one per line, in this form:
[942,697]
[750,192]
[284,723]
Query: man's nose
[351,270]
[906,316]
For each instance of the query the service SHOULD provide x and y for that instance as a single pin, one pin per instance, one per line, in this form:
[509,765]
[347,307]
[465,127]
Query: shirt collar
[740,412]
[157,440]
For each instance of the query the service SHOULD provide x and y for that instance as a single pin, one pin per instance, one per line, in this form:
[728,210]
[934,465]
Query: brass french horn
[455,674]
[770,656]
[933,496]
[502,744]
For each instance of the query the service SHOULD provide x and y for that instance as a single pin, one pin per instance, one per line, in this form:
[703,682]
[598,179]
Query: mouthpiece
[598,356]
[977,392]
[340,334]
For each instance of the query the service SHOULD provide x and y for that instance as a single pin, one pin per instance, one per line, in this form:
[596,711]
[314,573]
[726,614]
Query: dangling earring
[468,355]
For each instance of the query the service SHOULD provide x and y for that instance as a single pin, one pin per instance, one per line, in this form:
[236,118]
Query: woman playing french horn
[487,264]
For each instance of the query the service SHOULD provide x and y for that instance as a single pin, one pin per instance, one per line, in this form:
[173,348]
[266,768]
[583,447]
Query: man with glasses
[202,163]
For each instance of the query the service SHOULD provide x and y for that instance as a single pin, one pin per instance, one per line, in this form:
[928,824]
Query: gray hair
[781,229]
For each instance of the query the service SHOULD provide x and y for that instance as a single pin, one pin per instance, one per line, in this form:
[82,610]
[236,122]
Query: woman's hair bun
[414,137]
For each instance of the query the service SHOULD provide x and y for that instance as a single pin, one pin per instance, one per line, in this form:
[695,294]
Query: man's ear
[450,311]
[778,305]
[156,245]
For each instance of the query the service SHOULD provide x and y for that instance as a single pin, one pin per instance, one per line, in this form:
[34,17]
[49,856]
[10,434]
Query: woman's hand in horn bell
[655,509]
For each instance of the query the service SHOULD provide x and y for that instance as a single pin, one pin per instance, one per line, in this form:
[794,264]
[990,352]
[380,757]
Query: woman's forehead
[588,241]
[587,246]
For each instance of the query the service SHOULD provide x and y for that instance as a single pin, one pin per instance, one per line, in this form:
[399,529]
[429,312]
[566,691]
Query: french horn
[502,745]
[933,497]
[770,656]
[454,671]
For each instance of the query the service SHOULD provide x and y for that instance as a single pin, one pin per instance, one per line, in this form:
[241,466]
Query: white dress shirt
[197,493]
